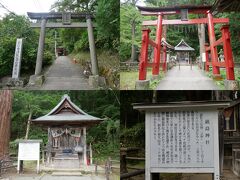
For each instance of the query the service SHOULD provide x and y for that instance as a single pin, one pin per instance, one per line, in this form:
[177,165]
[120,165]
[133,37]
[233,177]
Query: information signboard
[182,138]
[29,150]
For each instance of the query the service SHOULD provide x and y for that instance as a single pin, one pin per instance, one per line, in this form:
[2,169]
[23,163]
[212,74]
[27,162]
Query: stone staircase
[66,161]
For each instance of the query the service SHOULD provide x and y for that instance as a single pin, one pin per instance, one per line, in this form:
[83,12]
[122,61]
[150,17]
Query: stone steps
[65,75]
[66,161]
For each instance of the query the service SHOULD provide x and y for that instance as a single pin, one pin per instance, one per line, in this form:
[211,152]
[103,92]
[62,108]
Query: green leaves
[107,19]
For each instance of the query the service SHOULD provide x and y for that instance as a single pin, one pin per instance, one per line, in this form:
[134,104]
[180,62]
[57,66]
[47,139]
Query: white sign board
[184,141]
[29,150]
[17,59]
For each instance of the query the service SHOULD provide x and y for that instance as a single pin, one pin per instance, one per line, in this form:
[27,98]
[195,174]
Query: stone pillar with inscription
[15,80]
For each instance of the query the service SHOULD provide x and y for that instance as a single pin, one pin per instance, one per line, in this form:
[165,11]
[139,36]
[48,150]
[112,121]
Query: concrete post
[85,146]
[40,52]
[94,61]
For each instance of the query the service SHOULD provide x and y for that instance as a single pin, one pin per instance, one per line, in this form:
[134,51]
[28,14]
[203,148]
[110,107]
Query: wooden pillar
[212,39]
[227,49]
[157,50]
[90,148]
[49,145]
[144,55]
[40,52]
[93,55]
[85,146]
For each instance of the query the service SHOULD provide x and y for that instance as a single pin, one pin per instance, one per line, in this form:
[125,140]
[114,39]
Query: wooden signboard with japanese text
[182,141]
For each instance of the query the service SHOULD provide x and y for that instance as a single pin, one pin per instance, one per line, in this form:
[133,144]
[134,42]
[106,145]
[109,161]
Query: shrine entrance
[211,49]
[66,18]
[183,50]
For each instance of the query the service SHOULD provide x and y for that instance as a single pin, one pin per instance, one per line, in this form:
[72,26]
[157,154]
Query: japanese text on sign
[181,139]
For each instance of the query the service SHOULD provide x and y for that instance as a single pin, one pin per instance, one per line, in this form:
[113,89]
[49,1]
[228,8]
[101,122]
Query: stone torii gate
[37,78]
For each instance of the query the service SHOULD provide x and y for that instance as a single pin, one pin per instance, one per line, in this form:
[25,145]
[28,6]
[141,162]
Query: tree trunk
[154,98]
[5,121]
[28,125]
[133,53]
[201,37]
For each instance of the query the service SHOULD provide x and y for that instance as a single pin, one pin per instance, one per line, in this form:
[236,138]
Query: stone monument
[15,80]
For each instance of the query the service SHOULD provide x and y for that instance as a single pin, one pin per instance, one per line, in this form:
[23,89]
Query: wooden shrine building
[67,129]
[231,137]
[183,50]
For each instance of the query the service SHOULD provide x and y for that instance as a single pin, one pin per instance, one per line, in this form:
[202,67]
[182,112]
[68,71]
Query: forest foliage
[106,17]
[175,33]
[103,104]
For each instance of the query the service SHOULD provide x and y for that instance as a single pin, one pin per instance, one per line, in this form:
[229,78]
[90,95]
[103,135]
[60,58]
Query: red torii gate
[228,63]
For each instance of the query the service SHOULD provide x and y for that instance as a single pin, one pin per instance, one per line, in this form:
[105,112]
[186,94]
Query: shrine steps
[66,161]
[83,169]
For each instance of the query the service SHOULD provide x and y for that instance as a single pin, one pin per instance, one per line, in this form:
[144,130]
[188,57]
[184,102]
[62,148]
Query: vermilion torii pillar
[212,39]
[157,50]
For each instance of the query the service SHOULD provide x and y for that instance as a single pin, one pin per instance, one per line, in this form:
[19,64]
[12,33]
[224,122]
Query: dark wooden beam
[193,9]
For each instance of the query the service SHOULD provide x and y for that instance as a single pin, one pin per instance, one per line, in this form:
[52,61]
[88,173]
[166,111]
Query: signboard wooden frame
[29,150]
[150,109]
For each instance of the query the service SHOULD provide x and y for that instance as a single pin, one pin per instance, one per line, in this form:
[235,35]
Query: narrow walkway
[186,79]
[65,75]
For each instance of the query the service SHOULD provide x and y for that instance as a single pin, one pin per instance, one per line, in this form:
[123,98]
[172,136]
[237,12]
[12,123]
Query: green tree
[130,35]
[107,19]
[11,28]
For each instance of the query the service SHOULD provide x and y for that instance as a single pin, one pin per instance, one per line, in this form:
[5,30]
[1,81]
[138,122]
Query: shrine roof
[206,105]
[164,42]
[56,15]
[67,112]
[183,46]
